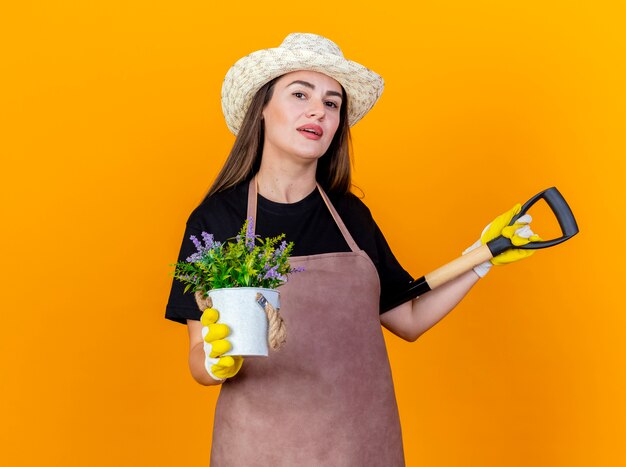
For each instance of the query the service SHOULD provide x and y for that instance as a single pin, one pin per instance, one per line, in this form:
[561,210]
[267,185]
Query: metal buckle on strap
[262,301]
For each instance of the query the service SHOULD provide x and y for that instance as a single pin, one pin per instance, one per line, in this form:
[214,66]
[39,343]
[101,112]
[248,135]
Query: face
[302,116]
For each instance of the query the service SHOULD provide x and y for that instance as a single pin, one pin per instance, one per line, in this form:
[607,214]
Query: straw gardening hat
[298,51]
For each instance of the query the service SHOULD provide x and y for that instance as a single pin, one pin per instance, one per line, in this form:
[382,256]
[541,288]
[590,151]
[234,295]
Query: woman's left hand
[519,233]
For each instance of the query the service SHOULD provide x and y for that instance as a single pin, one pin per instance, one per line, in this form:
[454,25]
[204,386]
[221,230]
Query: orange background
[111,132]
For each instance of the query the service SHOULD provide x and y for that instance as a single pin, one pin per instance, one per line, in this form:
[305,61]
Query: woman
[326,398]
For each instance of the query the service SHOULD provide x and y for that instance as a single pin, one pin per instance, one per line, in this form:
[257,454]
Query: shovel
[498,245]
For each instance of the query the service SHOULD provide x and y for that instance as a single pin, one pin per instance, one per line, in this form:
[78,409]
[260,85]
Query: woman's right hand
[214,341]
[215,345]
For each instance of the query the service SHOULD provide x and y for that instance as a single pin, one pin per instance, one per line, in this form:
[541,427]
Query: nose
[316,110]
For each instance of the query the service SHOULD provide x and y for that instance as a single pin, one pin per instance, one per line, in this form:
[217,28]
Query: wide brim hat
[299,51]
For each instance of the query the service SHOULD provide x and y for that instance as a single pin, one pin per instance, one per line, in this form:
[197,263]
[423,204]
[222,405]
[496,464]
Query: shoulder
[221,212]
[352,210]
[349,202]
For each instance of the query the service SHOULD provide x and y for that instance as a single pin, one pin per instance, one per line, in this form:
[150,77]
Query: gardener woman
[326,398]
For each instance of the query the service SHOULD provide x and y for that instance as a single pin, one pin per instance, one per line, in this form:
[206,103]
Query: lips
[311,131]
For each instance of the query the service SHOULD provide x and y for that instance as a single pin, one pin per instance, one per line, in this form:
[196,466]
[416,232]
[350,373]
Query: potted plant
[232,274]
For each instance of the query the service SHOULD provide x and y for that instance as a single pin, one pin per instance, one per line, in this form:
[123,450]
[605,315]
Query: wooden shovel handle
[455,268]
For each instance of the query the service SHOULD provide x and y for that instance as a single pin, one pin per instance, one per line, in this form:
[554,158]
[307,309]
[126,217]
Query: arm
[413,318]
[197,355]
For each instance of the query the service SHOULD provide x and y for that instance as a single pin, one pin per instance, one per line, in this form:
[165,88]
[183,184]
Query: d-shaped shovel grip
[563,214]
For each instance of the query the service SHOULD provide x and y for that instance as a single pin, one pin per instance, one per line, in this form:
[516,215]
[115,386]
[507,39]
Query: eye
[332,104]
[299,95]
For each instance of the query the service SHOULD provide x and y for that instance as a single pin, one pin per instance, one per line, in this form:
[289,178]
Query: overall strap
[252,202]
[342,227]
[252,190]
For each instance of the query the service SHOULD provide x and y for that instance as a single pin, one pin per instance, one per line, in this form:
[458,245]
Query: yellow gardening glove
[519,233]
[215,343]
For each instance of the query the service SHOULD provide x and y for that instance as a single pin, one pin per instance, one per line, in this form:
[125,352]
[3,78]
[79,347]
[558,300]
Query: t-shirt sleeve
[394,279]
[182,306]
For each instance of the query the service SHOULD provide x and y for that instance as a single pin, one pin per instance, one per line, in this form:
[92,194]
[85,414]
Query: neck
[283,183]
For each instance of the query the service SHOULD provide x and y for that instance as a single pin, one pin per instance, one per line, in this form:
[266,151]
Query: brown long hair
[334,168]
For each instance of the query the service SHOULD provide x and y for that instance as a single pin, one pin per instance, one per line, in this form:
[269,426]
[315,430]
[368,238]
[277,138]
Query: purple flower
[209,243]
[189,278]
[196,243]
[278,252]
[194,257]
[208,240]
[272,273]
[250,234]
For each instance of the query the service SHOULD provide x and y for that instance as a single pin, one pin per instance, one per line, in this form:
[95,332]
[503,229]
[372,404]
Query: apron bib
[326,398]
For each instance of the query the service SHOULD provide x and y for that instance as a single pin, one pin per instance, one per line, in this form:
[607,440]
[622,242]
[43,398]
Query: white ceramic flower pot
[239,310]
